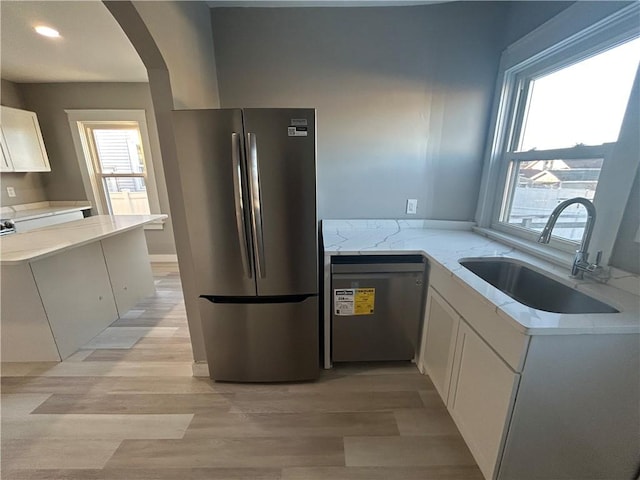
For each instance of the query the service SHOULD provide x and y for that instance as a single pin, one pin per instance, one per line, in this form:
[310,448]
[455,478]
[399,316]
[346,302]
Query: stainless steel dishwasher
[376,306]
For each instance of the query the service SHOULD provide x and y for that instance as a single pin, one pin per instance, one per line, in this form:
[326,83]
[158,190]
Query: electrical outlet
[412,206]
[11,192]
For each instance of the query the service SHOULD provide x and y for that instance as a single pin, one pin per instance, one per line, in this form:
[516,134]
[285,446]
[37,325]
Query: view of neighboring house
[543,184]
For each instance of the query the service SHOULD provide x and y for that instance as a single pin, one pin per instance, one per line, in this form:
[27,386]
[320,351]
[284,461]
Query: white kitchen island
[62,285]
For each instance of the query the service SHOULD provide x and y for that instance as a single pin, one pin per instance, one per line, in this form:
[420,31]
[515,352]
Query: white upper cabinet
[22,145]
[5,161]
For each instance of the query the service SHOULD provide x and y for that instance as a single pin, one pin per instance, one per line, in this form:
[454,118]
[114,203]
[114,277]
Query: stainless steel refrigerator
[249,184]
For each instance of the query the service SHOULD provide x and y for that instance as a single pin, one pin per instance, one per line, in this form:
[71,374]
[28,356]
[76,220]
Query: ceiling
[319,3]
[92,46]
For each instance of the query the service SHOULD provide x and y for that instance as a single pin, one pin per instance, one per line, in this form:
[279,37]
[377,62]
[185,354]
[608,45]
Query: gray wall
[182,32]
[28,186]
[402,97]
[10,95]
[64,182]
[168,36]
[524,17]
[626,252]
[402,93]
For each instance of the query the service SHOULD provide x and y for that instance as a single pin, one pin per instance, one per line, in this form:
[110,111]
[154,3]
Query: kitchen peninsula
[62,285]
[525,387]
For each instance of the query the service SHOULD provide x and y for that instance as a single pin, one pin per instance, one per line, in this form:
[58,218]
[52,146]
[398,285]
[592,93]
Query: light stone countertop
[445,243]
[43,242]
[30,211]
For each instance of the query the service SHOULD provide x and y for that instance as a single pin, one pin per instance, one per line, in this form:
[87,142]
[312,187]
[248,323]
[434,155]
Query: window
[118,162]
[564,125]
[114,155]
[559,125]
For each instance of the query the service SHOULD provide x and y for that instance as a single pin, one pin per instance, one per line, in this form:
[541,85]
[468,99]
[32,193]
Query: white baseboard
[163,258]
[200,369]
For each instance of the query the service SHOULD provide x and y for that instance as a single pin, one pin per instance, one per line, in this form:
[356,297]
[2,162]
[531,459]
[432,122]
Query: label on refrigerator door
[298,122]
[354,301]
[297,131]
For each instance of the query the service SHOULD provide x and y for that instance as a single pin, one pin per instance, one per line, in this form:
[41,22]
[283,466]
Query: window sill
[157,225]
[554,256]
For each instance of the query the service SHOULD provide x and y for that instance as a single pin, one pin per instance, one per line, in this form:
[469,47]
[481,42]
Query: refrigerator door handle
[240,217]
[256,206]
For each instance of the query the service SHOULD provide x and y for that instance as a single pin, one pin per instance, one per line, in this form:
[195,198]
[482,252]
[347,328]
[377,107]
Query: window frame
[83,143]
[579,32]
[513,159]
[92,149]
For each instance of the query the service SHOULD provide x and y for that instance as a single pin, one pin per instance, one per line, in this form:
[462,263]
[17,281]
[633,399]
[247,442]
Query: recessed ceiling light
[47,31]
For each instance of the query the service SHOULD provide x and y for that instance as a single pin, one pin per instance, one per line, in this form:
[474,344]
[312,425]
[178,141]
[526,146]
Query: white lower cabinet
[541,407]
[481,398]
[129,269]
[53,306]
[439,342]
[75,289]
[477,386]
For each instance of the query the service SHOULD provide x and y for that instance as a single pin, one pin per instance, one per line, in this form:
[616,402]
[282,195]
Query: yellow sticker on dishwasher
[365,300]
[354,301]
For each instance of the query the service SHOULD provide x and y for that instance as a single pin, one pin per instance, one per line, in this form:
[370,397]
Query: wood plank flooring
[126,407]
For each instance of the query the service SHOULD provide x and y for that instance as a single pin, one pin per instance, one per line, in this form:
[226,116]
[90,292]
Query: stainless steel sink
[532,288]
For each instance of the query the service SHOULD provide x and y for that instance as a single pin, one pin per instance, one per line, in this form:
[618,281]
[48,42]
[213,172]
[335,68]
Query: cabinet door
[438,342]
[5,160]
[481,399]
[77,296]
[24,141]
[129,269]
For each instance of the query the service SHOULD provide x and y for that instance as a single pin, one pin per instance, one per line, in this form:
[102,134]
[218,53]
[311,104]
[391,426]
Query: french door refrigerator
[249,184]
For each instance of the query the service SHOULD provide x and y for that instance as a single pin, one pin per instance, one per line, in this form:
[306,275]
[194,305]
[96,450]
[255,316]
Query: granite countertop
[445,243]
[43,242]
[41,209]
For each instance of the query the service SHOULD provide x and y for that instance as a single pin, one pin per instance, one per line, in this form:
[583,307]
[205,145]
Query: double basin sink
[532,288]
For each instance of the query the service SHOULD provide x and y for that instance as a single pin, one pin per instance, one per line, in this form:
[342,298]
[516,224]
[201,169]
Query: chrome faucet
[580,261]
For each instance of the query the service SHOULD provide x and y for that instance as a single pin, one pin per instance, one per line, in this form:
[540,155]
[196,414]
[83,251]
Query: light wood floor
[126,407]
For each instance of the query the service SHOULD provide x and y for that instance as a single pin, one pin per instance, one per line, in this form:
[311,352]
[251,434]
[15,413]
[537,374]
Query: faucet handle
[592,267]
